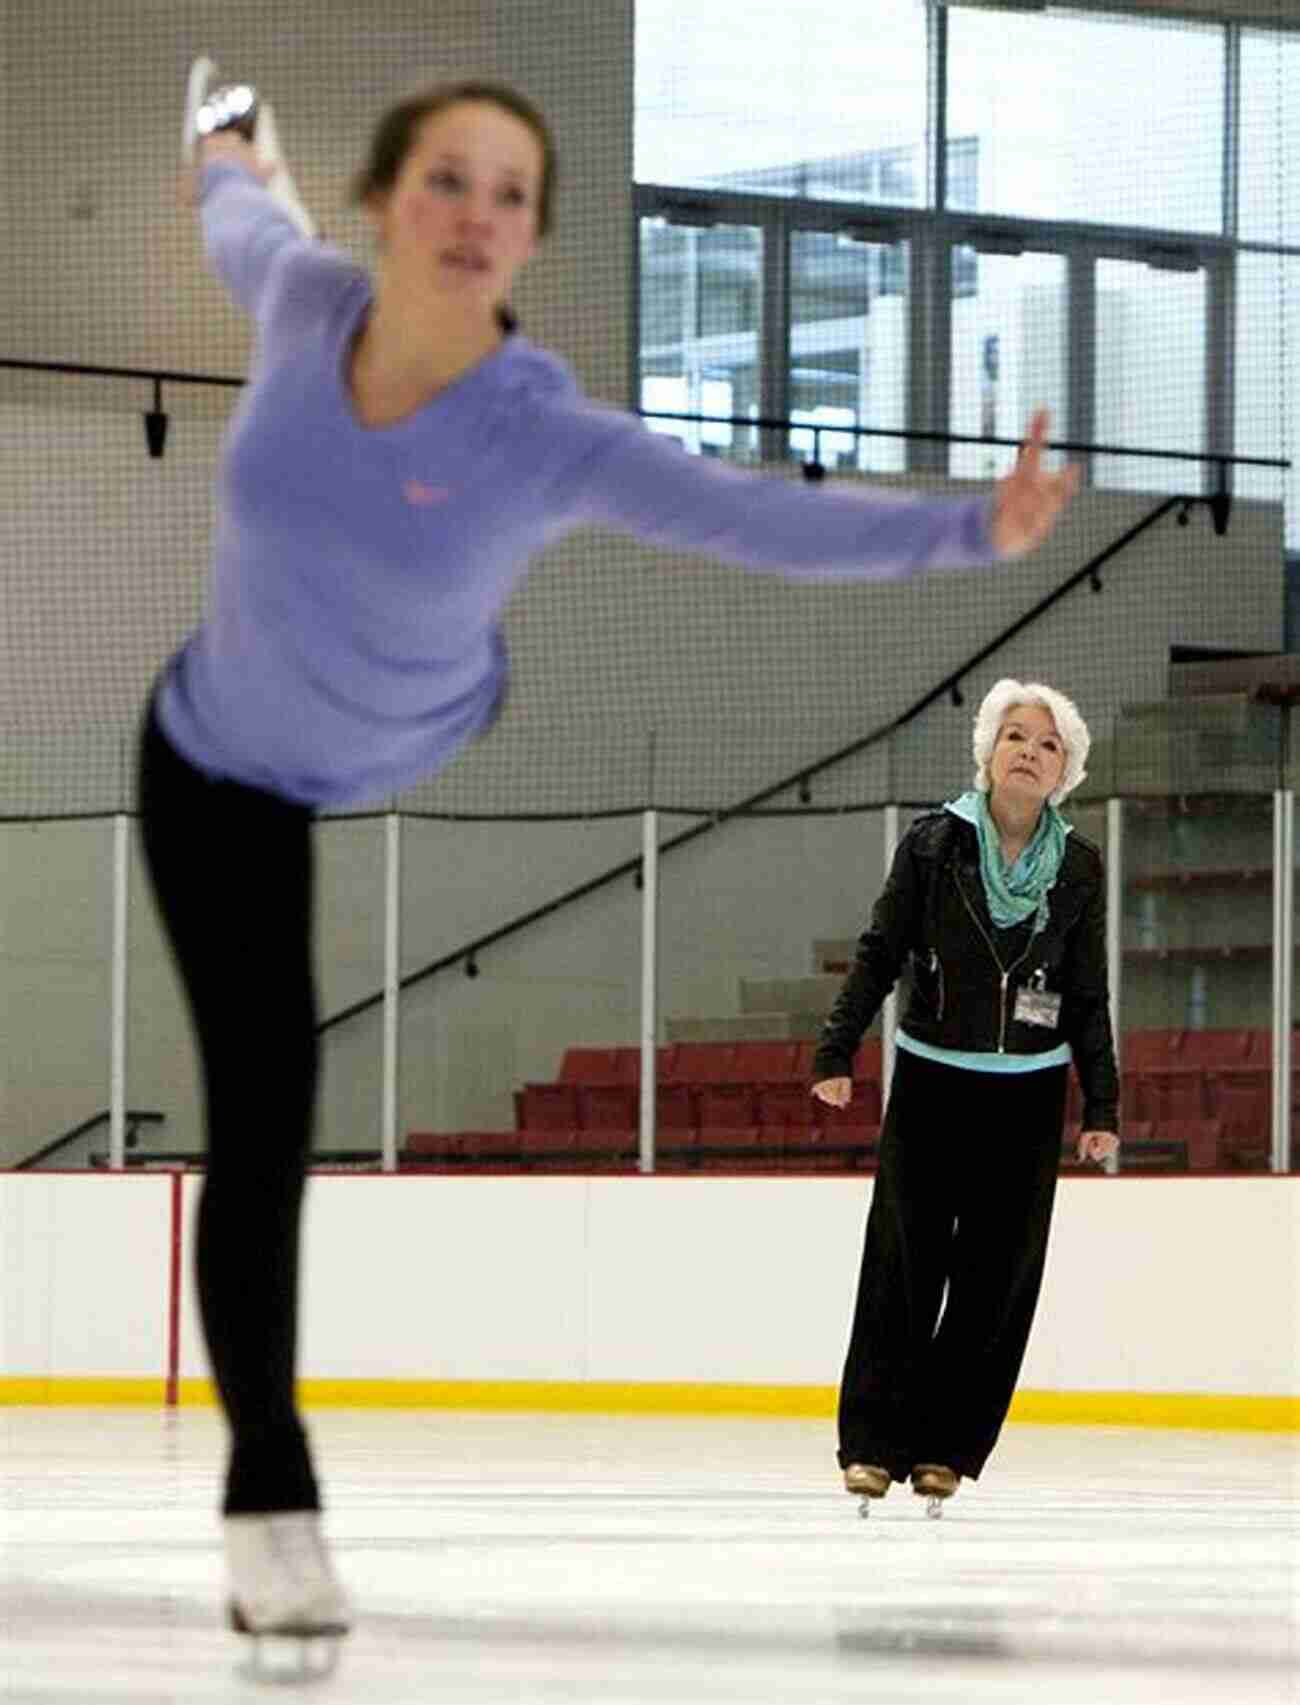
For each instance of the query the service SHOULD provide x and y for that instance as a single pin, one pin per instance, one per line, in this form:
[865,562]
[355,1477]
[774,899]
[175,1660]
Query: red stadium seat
[608,1106]
[1142,1048]
[607,1150]
[766,1062]
[846,1148]
[724,1104]
[430,1147]
[1203,1138]
[674,1107]
[701,1062]
[1214,1048]
[1171,1092]
[548,1106]
[548,1144]
[590,1065]
[675,1146]
[1242,1099]
[627,1063]
[732,1148]
[785,1104]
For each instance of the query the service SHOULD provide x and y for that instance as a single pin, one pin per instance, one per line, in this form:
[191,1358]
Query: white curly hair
[1001,698]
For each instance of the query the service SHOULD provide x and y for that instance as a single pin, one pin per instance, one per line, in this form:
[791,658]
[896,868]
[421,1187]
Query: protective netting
[641,678]
[776,217]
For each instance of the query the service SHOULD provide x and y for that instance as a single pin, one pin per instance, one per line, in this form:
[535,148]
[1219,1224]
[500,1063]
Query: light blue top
[352,641]
[1011,1065]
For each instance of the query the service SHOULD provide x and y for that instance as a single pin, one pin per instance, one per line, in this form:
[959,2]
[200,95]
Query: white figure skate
[212,106]
[285,1595]
[866,1482]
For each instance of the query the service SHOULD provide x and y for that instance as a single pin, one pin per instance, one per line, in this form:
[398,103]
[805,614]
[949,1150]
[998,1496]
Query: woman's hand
[223,145]
[1098,1145]
[1029,501]
[834,1091]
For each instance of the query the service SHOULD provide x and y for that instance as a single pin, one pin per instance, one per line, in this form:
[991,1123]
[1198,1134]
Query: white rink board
[1152,1286]
[84,1264]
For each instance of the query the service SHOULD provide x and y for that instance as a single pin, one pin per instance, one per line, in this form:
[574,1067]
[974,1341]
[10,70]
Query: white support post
[1115,925]
[117,1002]
[889,1012]
[1283,971]
[392,985]
[649,983]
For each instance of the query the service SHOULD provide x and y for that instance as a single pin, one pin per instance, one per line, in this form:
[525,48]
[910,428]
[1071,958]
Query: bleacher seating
[1197,1101]
[724,1105]
[608,1106]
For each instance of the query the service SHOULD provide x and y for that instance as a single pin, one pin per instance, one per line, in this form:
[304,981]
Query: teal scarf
[1018,892]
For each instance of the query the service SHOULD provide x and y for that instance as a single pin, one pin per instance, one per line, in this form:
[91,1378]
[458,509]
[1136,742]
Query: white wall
[647,1280]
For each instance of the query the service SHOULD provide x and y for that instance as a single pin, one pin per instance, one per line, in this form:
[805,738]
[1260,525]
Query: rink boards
[1170,1301]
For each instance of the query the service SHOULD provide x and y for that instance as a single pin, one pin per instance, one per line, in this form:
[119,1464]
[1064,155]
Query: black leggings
[232,872]
[962,1202]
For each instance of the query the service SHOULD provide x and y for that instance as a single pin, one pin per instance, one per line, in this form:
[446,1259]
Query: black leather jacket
[933,919]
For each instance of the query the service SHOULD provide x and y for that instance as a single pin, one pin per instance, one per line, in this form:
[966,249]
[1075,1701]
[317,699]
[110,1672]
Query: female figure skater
[997,905]
[398,456]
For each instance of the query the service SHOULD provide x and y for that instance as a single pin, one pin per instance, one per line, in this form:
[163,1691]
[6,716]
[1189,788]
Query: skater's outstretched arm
[245,229]
[617,474]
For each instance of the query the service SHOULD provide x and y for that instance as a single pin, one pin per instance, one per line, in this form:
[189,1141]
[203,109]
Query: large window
[1093,212]
[700,321]
[728,91]
[1102,119]
[1265,367]
[1150,367]
[1009,324]
[1270,139]
[848,347]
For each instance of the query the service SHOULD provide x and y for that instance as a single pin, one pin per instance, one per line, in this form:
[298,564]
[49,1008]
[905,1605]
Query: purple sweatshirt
[352,640]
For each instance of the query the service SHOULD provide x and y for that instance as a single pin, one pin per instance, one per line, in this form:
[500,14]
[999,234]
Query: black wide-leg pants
[232,872]
[955,1248]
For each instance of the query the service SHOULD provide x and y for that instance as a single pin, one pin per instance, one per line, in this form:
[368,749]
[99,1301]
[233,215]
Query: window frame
[931,233]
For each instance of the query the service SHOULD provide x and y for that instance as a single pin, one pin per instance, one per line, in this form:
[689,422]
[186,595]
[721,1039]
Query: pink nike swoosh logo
[424,496]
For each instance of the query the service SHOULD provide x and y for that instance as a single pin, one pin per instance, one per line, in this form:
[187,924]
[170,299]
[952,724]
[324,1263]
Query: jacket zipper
[936,965]
[1005,970]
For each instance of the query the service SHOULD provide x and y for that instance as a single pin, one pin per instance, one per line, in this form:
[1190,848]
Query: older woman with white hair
[996,906]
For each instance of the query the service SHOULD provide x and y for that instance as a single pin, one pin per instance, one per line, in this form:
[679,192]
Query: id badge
[1035,1004]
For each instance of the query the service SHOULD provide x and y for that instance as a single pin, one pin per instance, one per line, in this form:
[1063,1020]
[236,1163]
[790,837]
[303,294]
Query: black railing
[155,422]
[1219,503]
[815,468]
[800,779]
[135,1119]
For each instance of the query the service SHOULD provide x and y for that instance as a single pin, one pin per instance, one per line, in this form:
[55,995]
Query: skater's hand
[834,1091]
[223,145]
[1098,1145]
[1029,501]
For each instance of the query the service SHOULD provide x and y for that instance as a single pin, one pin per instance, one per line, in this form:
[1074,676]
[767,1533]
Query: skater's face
[463,213]
[1029,757]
